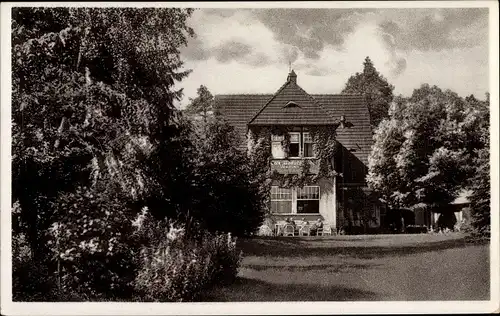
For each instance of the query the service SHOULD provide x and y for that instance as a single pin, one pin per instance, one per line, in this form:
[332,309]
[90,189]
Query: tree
[228,199]
[202,107]
[480,182]
[424,151]
[375,88]
[92,102]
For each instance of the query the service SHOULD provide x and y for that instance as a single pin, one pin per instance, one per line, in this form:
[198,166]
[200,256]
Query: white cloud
[264,70]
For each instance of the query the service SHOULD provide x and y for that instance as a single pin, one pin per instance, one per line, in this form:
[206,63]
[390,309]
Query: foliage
[95,137]
[181,269]
[226,196]
[325,148]
[480,182]
[92,91]
[93,243]
[259,139]
[375,88]
[201,107]
[424,151]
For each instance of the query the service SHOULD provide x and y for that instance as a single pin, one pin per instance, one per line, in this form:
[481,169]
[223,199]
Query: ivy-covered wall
[259,151]
[347,165]
[325,149]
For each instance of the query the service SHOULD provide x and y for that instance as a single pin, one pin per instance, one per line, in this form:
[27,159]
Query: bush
[92,249]
[177,268]
[30,282]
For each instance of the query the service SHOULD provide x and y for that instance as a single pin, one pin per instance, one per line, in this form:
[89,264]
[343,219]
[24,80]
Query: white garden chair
[327,230]
[288,230]
[265,230]
[305,230]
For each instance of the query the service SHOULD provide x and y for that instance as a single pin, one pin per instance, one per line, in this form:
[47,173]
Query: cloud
[319,72]
[289,54]
[437,29]
[398,66]
[195,50]
[309,30]
[447,47]
[226,52]
[258,60]
[231,50]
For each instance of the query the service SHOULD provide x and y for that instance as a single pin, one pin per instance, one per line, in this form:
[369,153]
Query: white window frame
[294,198]
[275,140]
[309,186]
[301,135]
[300,145]
[311,141]
[280,199]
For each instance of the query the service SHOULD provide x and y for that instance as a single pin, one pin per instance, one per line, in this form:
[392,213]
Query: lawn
[364,268]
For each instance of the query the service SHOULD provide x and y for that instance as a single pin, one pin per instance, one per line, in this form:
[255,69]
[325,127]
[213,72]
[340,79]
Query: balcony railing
[294,166]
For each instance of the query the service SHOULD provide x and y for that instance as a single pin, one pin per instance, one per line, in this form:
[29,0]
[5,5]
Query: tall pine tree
[375,88]
[201,108]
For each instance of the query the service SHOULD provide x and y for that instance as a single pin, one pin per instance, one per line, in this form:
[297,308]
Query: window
[294,149]
[308,199]
[301,145]
[281,200]
[308,145]
[295,200]
[277,146]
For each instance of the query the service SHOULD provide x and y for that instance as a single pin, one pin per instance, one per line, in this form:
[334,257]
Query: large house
[341,199]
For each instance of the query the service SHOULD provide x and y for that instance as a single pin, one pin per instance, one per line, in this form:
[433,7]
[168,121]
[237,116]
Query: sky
[250,50]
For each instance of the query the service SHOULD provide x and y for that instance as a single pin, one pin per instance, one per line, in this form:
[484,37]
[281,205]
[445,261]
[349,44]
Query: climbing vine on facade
[259,151]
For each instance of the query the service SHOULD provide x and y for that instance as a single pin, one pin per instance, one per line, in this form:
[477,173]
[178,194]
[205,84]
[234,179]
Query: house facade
[317,148]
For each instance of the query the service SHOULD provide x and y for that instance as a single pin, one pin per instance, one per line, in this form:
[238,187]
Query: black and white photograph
[249,158]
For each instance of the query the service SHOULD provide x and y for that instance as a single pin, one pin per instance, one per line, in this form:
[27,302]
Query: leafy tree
[228,198]
[480,182]
[375,88]
[424,151]
[92,102]
[202,107]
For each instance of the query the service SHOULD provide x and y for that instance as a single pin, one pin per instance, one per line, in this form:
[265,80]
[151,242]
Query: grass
[360,268]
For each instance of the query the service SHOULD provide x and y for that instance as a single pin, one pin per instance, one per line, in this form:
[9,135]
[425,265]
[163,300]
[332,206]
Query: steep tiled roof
[238,110]
[267,109]
[358,137]
[306,112]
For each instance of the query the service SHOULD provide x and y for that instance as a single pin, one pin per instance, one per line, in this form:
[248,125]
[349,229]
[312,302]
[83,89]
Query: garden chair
[305,230]
[265,230]
[319,231]
[288,230]
[326,230]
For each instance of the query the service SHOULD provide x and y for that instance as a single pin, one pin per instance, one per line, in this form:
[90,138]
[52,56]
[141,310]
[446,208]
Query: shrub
[177,268]
[91,246]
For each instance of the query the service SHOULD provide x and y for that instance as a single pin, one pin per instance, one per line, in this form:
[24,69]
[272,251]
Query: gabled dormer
[292,106]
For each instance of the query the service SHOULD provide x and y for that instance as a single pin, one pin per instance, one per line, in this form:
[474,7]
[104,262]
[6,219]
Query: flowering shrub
[176,268]
[92,246]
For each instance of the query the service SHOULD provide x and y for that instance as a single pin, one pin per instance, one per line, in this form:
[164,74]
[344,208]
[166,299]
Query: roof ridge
[269,101]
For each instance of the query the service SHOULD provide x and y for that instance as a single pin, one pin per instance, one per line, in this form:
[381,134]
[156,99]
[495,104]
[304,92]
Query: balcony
[294,166]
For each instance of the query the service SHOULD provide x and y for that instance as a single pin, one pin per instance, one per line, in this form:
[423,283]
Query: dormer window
[291,104]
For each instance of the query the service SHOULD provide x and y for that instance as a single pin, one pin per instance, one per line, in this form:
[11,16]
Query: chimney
[292,77]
